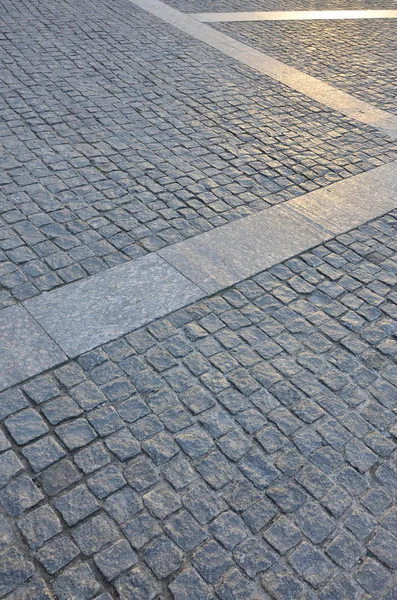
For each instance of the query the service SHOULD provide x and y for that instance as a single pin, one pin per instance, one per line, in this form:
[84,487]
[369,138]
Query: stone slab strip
[293,15]
[306,84]
[221,257]
[25,348]
[348,203]
[85,314]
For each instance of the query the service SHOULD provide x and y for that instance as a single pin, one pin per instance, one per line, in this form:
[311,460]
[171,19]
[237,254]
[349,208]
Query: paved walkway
[198,319]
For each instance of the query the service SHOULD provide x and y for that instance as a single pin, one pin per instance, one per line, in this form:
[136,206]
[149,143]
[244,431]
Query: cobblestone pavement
[241,448]
[121,135]
[358,57]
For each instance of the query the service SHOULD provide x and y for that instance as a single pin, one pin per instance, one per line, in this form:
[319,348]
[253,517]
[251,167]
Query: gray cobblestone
[77,581]
[114,560]
[94,533]
[76,434]
[76,504]
[39,526]
[123,505]
[34,588]
[310,564]
[14,570]
[58,477]
[163,557]
[344,550]
[190,586]
[281,583]
[212,561]
[109,480]
[138,583]
[26,426]
[20,495]
[185,531]
[77,201]
[43,453]
[283,535]
[285,492]
[373,577]
[57,553]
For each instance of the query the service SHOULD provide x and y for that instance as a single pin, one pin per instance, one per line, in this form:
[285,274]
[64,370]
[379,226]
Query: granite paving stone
[25,348]
[333,52]
[273,489]
[234,446]
[89,184]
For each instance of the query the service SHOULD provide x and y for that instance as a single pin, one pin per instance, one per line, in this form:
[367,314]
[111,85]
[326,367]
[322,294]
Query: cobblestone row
[121,135]
[355,56]
[243,447]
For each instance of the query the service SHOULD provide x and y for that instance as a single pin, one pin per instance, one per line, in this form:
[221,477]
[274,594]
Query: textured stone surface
[112,303]
[343,54]
[260,240]
[89,184]
[25,348]
[255,444]
[244,446]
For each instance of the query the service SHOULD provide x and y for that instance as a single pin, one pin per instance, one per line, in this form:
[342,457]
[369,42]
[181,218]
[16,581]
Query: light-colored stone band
[68,321]
[293,15]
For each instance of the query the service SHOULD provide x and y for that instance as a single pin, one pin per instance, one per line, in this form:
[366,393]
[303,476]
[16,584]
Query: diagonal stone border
[305,84]
[220,258]
[82,315]
[293,15]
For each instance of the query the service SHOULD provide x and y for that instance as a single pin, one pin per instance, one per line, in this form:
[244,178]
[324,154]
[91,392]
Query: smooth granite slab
[85,314]
[25,349]
[223,256]
[351,202]
[384,178]
[293,15]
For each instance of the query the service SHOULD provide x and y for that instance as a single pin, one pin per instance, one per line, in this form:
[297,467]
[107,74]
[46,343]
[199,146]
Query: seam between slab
[309,220]
[107,305]
[305,84]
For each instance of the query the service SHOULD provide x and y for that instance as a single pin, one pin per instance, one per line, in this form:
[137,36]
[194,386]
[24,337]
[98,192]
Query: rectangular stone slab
[85,314]
[25,348]
[295,15]
[351,202]
[223,256]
